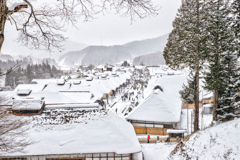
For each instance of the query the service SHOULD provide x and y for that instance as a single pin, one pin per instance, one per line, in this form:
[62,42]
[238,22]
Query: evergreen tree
[228,95]
[188,92]
[220,43]
[186,44]
[235,11]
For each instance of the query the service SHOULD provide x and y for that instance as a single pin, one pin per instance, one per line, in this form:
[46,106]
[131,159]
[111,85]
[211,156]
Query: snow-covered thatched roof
[161,106]
[33,87]
[55,87]
[27,104]
[94,132]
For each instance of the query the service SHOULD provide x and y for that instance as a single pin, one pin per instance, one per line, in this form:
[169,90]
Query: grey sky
[109,29]
[112,29]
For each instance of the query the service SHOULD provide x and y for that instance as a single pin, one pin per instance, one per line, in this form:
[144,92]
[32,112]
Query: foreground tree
[185,46]
[228,104]
[220,44]
[235,10]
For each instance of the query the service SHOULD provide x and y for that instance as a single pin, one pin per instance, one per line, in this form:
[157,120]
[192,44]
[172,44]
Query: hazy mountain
[113,54]
[14,50]
[102,55]
[33,60]
[150,59]
[73,57]
[5,57]
[137,48]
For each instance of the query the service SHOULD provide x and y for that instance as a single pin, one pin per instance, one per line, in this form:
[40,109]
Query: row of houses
[67,122]
[66,94]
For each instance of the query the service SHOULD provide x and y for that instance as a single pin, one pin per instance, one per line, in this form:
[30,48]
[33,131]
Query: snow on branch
[17,6]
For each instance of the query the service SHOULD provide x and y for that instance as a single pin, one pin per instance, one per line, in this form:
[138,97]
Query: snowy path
[122,106]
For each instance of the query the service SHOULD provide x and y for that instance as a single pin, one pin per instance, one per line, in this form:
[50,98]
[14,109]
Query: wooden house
[160,110]
[190,106]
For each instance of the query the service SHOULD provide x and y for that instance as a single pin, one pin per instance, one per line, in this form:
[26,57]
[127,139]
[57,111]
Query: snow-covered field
[218,142]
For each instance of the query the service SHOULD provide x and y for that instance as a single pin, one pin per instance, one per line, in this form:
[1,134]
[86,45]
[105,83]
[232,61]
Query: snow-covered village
[120,80]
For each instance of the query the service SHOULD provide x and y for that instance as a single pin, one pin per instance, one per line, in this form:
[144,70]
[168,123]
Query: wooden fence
[150,130]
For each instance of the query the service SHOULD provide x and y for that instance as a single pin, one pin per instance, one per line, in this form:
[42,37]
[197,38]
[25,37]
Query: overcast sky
[112,29]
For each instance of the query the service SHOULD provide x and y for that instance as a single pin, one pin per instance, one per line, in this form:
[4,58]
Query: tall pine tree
[228,95]
[220,38]
[185,46]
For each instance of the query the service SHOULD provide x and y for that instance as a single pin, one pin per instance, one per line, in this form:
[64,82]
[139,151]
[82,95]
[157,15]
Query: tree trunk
[3,18]
[217,56]
[196,117]
[215,100]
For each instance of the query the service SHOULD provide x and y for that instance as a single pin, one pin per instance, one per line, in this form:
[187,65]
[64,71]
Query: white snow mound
[219,142]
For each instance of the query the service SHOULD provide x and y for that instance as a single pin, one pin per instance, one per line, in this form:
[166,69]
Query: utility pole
[187,120]
[14,84]
[202,113]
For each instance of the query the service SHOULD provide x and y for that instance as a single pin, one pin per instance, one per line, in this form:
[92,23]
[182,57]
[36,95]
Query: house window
[167,126]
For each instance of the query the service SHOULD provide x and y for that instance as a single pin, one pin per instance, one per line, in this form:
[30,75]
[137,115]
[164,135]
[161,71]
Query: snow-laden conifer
[185,46]
[220,46]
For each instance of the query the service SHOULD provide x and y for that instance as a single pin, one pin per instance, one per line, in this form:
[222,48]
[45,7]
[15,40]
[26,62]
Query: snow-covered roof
[63,99]
[76,82]
[95,132]
[43,81]
[140,67]
[49,97]
[27,104]
[89,78]
[208,105]
[33,87]
[80,88]
[24,91]
[60,81]
[161,106]
[176,131]
[79,97]
[107,84]
[55,87]
[208,95]
[163,70]
[74,106]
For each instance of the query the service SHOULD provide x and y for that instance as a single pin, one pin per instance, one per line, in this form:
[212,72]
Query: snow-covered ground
[158,151]
[205,120]
[218,142]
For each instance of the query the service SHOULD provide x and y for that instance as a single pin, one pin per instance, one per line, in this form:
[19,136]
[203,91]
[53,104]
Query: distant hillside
[143,47]
[113,54]
[150,59]
[32,60]
[15,50]
[5,57]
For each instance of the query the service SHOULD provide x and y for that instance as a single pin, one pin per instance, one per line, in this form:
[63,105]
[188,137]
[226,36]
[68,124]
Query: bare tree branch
[40,25]
[12,129]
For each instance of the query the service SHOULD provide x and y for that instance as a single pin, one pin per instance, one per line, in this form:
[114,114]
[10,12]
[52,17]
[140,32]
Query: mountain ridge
[97,55]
